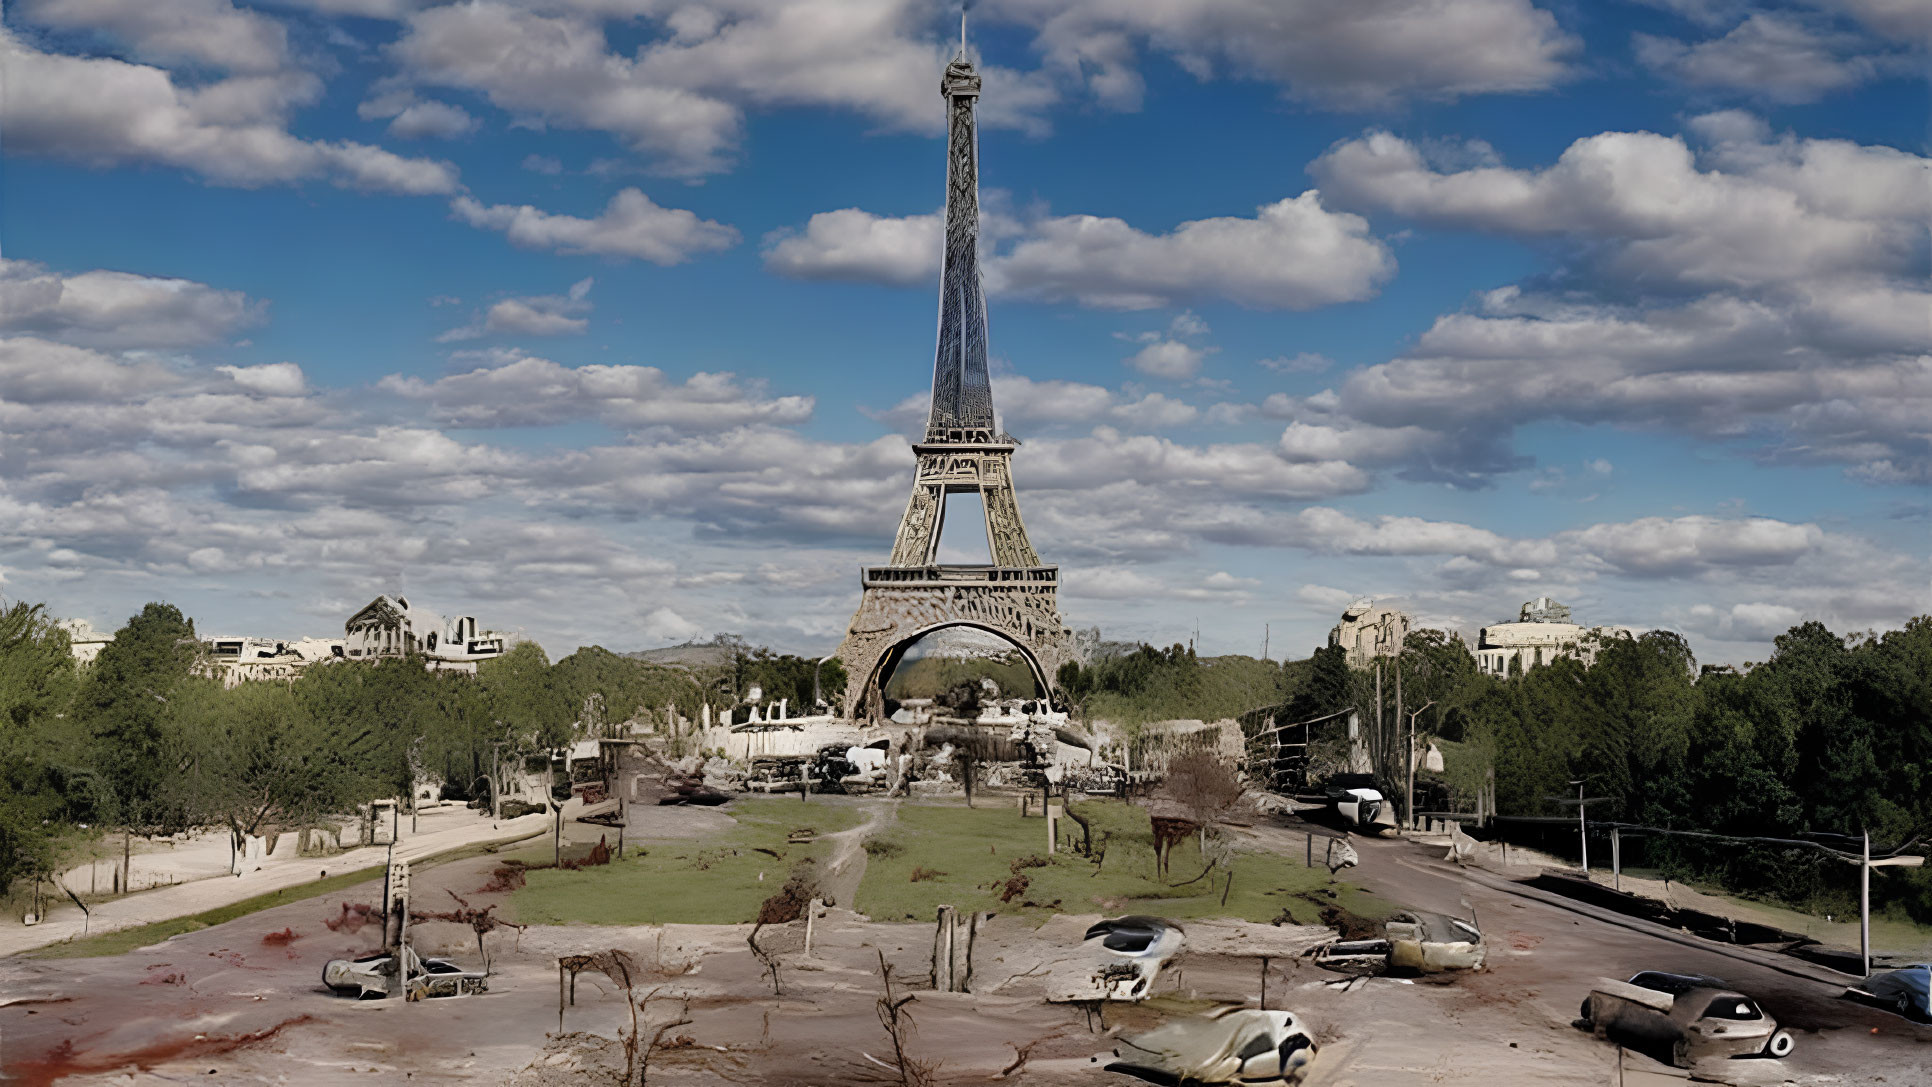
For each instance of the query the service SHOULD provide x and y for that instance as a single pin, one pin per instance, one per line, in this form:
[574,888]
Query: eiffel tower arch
[913,594]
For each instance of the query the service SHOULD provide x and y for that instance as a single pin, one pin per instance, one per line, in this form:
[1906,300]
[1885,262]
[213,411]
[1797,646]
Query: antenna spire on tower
[962,30]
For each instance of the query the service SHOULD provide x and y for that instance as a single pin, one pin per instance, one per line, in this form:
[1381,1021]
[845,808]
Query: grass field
[972,853]
[693,881]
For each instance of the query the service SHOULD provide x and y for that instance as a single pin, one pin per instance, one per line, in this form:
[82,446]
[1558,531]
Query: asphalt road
[1552,951]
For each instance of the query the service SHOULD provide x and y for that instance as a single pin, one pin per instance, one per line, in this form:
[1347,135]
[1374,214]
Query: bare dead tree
[788,905]
[899,1027]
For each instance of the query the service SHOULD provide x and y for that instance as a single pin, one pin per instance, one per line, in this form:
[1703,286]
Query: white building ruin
[1368,630]
[390,627]
[235,661]
[83,641]
[1542,633]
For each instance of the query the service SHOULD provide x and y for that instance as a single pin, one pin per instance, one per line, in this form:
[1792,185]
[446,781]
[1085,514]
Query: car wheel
[1780,1045]
[1583,1013]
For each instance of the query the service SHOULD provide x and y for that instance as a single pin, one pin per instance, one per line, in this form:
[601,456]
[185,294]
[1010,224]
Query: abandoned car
[1412,942]
[1117,960]
[1907,991]
[1358,802]
[1229,1045]
[1683,1019]
[369,976]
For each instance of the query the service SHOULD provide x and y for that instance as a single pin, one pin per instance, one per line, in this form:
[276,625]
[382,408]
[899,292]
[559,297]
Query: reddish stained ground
[63,1060]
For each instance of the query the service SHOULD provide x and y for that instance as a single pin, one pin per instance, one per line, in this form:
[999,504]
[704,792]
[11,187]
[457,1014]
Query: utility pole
[1583,828]
[1865,905]
[1412,716]
[1380,736]
[1408,812]
[1265,631]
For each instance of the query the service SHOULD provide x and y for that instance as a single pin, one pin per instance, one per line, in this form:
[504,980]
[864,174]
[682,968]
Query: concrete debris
[1339,855]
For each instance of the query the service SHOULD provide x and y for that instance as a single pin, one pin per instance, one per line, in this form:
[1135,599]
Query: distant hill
[692,656]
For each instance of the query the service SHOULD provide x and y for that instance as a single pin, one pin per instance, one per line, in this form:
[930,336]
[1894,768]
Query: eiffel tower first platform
[964,453]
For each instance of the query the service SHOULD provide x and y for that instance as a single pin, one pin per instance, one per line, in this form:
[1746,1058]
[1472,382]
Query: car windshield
[1674,984]
[1731,1007]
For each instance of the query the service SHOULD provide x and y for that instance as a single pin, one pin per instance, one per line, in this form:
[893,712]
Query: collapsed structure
[1542,633]
[390,627]
[235,661]
[1369,630]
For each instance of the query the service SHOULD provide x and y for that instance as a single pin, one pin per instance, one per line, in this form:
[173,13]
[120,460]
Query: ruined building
[1542,632]
[83,641]
[235,661]
[390,627]
[1369,630]
[1016,595]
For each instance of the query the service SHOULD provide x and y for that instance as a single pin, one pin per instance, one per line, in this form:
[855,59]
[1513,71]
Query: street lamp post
[1412,716]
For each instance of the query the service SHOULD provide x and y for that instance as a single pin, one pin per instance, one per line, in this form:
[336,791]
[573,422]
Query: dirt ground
[230,1005]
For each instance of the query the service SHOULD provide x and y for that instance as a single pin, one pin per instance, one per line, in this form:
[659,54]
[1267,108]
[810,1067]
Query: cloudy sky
[607,320]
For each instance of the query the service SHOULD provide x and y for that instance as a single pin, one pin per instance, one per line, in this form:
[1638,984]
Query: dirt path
[846,867]
[283,872]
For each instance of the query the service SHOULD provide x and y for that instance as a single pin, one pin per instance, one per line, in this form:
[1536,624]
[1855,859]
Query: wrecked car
[1132,951]
[837,766]
[368,977]
[1684,1019]
[1412,942]
[1358,802]
[1432,942]
[1229,1045]
[1907,991]
[1118,959]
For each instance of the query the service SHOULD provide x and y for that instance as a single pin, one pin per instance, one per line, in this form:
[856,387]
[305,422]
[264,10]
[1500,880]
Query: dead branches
[899,1027]
[482,921]
[788,905]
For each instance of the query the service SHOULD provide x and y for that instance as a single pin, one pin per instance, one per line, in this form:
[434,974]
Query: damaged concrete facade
[238,660]
[390,627]
[1368,630]
[1542,633]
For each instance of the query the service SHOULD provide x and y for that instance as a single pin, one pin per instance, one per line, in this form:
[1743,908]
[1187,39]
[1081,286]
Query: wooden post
[560,995]
[1264,983]
[811,918]
[972,937]
[557,838]
[623,817]
[1616,859]
[942,951]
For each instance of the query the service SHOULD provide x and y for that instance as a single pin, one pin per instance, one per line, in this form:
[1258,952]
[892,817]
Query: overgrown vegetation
[143,740]
[973,856]
[1830,735]
[1168,684]
[710,881]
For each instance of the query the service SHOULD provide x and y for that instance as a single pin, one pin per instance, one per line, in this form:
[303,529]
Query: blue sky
[606,320]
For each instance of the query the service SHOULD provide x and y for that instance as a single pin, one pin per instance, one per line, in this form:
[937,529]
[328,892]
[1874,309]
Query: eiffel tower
[964,453]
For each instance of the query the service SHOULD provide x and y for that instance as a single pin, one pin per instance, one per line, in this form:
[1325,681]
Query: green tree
[121,704]
[37,679]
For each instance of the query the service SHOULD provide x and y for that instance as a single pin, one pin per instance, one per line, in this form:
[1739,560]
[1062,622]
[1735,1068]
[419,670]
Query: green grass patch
[974,851]
[687,881]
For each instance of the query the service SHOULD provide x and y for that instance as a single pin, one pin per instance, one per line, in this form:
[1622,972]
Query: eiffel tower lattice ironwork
[913,595]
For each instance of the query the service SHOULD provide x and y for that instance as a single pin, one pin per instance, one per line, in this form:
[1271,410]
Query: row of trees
[145,740]
[1832,734]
